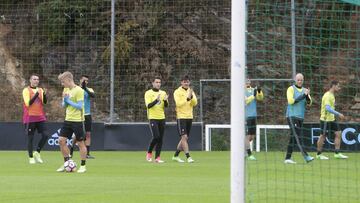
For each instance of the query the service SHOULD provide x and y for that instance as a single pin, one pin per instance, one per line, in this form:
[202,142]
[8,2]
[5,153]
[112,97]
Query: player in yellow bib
[73,101]
[156,100]
[328,122]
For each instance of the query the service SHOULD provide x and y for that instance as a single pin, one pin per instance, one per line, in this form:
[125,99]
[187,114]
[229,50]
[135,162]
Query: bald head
[299,79]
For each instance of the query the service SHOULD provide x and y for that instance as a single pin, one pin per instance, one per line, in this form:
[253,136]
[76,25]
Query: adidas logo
[54,140]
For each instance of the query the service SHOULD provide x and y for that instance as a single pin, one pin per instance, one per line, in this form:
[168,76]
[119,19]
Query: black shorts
[184,126]
[329,127]
[30,128]
[157,127]
[251,126]
[69,128]
[88,122]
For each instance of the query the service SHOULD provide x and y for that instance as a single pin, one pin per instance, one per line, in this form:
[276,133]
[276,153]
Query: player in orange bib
[34,118]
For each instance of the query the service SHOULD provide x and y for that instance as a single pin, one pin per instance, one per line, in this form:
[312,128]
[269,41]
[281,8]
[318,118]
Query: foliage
[62,19]
[123,44]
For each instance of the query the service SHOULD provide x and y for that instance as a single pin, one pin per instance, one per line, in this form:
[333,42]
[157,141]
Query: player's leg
[184,144]
[30,131]
[291,144]
[82,149]
[177,152]
[337,141]
[72,146]
[181,130]
[298,134]
[321,140]
[158,147]
[250,157]
[63,147]
[64,151]
[80,140]
[65,133]
[247,140]
[251,135]
[41,128]
[186,141]
[153,124]
[88,126]
[87,144]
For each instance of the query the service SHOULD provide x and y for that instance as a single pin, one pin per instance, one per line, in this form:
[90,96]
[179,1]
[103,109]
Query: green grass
[116,177]
[334,180]
[127,177]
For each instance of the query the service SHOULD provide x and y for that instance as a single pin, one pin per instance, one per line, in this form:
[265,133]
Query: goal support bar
[208,128]
[259,127]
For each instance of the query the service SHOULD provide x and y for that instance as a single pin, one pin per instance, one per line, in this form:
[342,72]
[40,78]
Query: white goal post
[265,127]
[208,128]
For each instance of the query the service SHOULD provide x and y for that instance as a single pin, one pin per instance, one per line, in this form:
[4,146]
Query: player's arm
[32,100]
[193,100]
[29,101]
[44,96]
[26,97]
[63,103]
[179,101]
[308,100]
[90,92]
[166,100]
[328,107]
[78,105]
[148,102]
[331,110]
[290,96]
[79,97]
[259,94]
[249,99]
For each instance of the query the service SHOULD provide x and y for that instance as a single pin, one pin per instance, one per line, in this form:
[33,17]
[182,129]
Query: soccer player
[252,96]
[73,101]
[88,93]
[185,100]
[297,98]
[34,118]
[328,123]
[156,100]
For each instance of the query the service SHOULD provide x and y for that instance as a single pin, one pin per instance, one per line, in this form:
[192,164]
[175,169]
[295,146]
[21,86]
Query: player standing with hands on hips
[156,100]
[185,100]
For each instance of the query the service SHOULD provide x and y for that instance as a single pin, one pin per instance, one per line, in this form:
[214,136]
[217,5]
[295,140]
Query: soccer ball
[70,166]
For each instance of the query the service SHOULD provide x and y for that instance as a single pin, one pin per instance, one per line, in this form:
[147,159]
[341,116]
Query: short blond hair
[66,75]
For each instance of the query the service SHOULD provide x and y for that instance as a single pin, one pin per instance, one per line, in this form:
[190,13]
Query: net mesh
[166,38]
[173,38]
[327,48]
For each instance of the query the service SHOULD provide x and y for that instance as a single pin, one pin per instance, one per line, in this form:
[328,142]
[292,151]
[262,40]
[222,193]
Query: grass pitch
[115,177]
[127,177]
